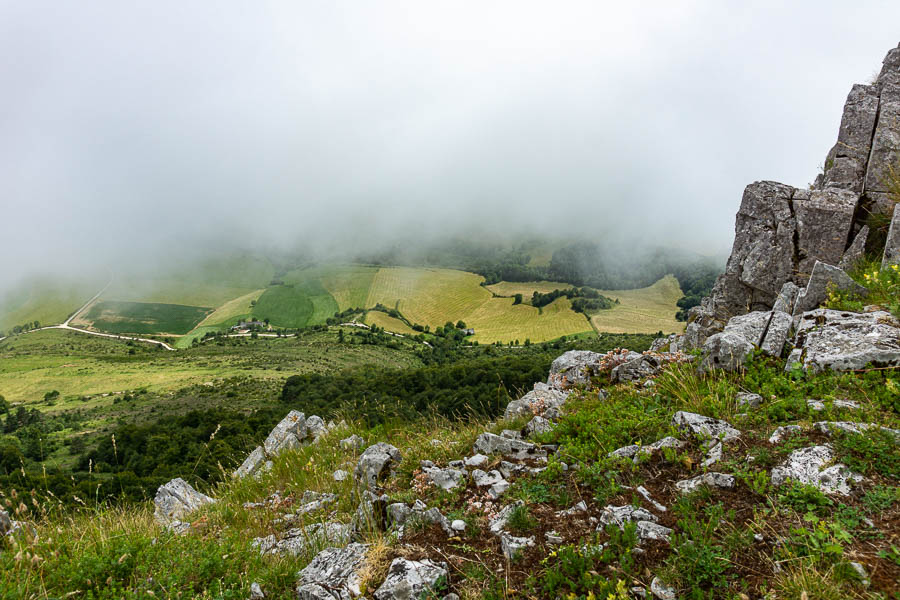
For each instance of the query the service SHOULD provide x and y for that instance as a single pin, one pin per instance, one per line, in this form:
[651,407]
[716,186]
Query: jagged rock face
[287,434]
[823,279]
[175,500]
[333,574]
[543,400]
[573,368]
[781,231]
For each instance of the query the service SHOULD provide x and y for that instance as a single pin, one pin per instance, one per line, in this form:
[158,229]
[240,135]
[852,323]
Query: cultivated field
[349,285]
[375,317]
[232,311]
[144,317]
[527,288]
[428,296]
[645,310]
[498,320]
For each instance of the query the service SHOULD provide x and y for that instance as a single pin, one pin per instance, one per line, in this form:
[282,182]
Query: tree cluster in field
[31,325]
[584,299]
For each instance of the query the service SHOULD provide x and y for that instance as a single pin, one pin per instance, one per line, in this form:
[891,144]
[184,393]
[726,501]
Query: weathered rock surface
[714,480]
[544,400]
[446,479]
[747,400]
[725,350]
[704,427]
[493,481]
[782,432]
[661,591]
[304,540]
[538,425]
[333,574]
[825,278]
[512,545]
[489,443]
[375,464]
[892,246]
[252,463]
[354,442]
[856,251]
[287,434]
[575,367]
[177,499]
[777,334]
[843,341]
[411,579]
[814,466]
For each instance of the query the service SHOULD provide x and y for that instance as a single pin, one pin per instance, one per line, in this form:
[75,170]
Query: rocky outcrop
[411,579]
[824,279]
[375,463]
[815,466]
[892,246]
[293,431]
[543,400]
[575,367]
[175,500]
[781,231]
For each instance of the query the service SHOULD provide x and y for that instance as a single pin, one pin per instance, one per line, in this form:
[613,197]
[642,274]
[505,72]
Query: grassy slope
[645,310]
[713,553]
[349,285]
[49,302]
[144,317]
[76,364]
[232,311]
[526,288]
[374,317]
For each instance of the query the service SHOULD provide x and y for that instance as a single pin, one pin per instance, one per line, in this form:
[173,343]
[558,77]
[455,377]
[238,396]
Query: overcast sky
[131,128]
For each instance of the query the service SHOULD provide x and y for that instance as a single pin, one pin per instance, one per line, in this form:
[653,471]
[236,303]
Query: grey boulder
[287,434]
[704,427]
[333,574]
[489,443]
[175,500]
[544,400]
[815,466]
[376,463]
[845,341]
[575,367]
[825,278]
[411,579]
[714,480]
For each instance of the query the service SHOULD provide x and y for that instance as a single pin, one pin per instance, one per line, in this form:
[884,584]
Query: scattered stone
[578,509]
[537,426]
[713,455]
[661,591]
[375,463]
[371,514]
[512,545]
[304,540]
[411,579]
[287,434]
[782,432]
[251,464]
[553,538]
[256,592]
[477,460]
[861,571]
[704,427]
[446,479]
[711,479]
[458,525]
[625,451]
[175,500]
[333,574]
[316,428]
[844,341]
[667,442]
[489,443]
[649,531]
[786,298]
[340,475]
[511,435]
[354,442]
[493,481]
[624,514]
[456,464]
[747,400]
[829,427]
[646,494]
[814,466]
[313,501]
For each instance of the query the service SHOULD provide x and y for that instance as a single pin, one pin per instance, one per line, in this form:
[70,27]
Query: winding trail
[65,325]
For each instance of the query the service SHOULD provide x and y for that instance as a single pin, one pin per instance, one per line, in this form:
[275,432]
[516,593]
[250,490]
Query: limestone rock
[856,251]
[824,221]
[824,278]
[175,500]
[287,434]
[304,541]
[498,523]
[256,592]
[885,142]
[782,432]
[661,591]
[513,545]
[544,400]
[537,426]
[747,400]
[333,574]
[814,466]
[846,162]
[477,460]
[375,463]
[446,479]
[892,246]
[315,427]
[649,531]
[371,514]
[726,350]
[777,334]
[251,464]
[340,475]
[354,442]
[711,479]
[493,481]
[411,579]
[619,515]
[786,298]
[489,443]
[843,341]
[704,427]
[5,522]
[575,367]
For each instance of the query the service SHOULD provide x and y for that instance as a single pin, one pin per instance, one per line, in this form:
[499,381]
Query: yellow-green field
[375,317]
[645,310]
[348,284]
[232,310]
[49,302]
[428,296]
[527,288]
[499,320]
